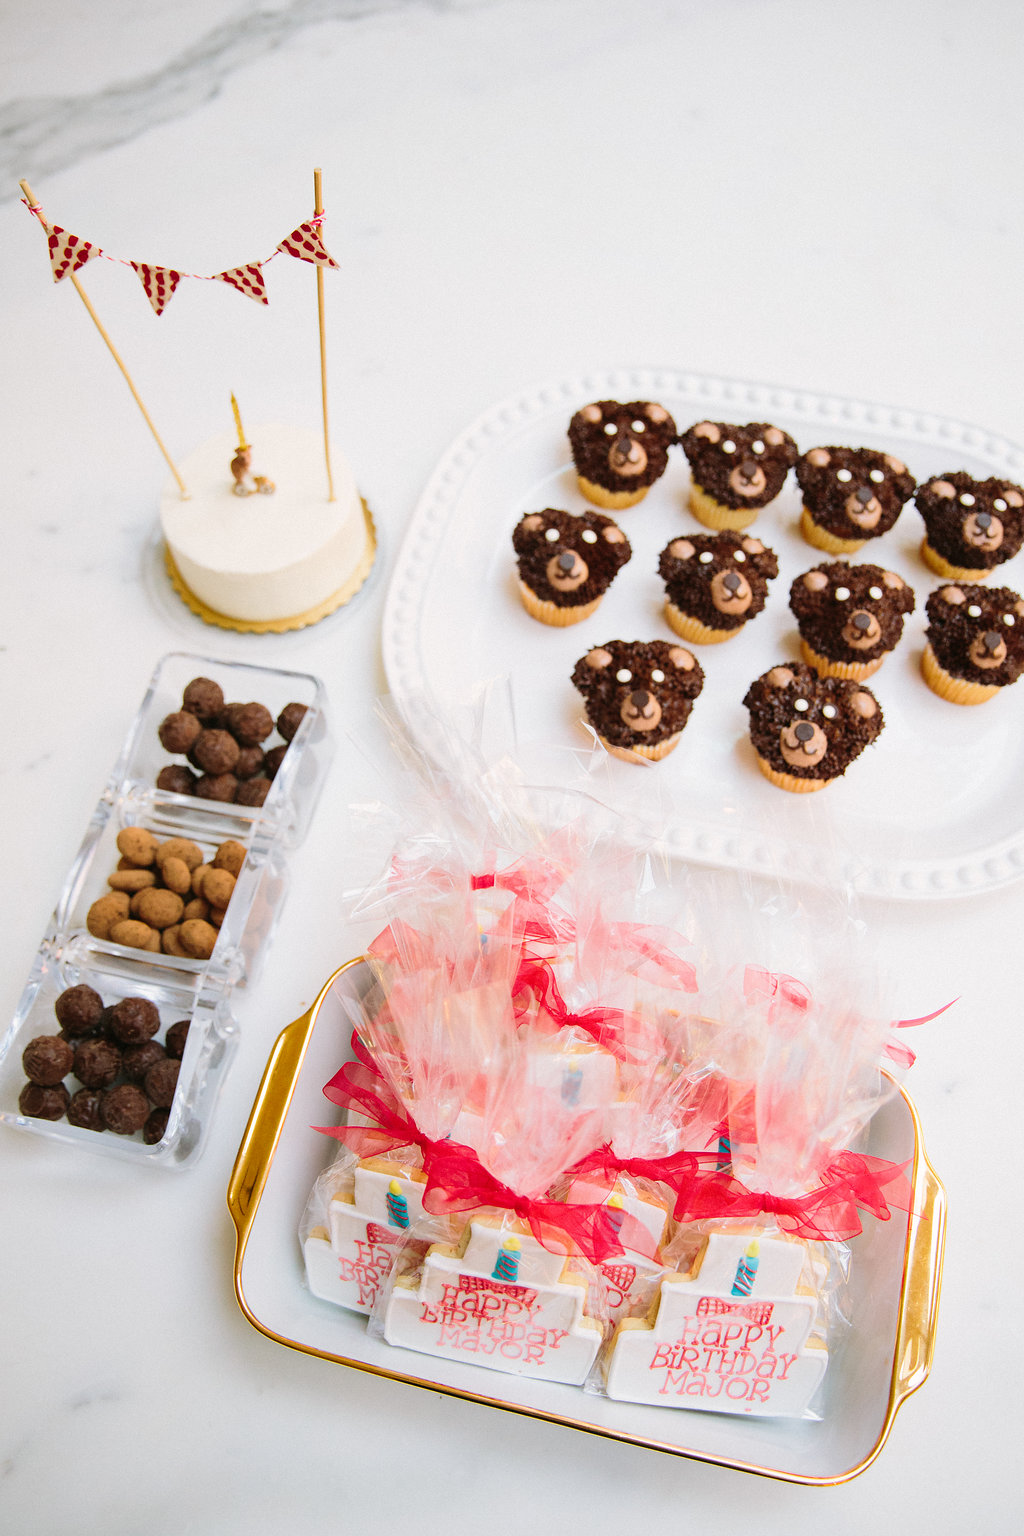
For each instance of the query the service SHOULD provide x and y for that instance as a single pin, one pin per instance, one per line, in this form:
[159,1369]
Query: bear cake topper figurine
[245,482]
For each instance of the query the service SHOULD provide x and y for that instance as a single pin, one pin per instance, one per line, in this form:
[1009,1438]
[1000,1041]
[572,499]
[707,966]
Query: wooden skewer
[34,208]
[318,208]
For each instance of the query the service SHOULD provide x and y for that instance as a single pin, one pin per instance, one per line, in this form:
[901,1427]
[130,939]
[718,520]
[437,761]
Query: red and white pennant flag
[67,252]
[307,244]
[248,280]
[159,283]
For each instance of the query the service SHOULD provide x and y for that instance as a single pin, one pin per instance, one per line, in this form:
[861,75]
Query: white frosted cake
[267,559]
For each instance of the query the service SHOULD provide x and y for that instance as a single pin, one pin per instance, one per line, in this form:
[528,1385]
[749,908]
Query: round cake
[279,559]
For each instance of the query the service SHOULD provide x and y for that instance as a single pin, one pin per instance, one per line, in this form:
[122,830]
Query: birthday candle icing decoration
[507,1267]
[398,1205]
[724,1160]
[572,1082]
[746,1269]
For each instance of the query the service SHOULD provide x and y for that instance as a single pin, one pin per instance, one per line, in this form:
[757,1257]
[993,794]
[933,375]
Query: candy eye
[623,675]
[1008,618]
[552,535]
[874,592]
[610,428]
[728,446]
[757,447]
[974,611]
[841,594]
[967,500]
[999,504]
[829,711]
[877,476]
[588,536]
[844,475]
[705,557]
[638,426]
[739,556]
[801,705]
[657,676]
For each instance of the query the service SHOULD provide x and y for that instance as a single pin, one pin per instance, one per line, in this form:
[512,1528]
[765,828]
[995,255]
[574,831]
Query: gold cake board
[338,599]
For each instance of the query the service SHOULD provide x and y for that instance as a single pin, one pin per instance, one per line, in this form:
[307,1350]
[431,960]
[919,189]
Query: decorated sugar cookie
[346,1262]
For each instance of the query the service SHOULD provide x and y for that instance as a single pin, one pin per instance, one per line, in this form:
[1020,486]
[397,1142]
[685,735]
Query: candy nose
[748,468]
[992,640]
[861,621]
[803,730]
[864,495]
[731,580]
[566,562]
[639,699]
[984,521]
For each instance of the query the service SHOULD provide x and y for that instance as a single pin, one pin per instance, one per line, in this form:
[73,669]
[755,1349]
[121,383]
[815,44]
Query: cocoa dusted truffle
[253,792]
[138,1059]
[219,786]
[272,761]
[124,1109]
[849,616]
[155,1126]
[620,450]
[806,730]
[289,720]
[250,762]
[47,1060]
[215,751]
[161,1080]
[133,1020]
[41,1103]
[638,695]
[84,1109]
[203,698]
[850,495]
[174,1040]
[179,730]
[249,724]
[79,1010]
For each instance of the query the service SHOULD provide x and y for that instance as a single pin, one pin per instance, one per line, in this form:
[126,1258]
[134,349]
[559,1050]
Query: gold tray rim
[920,1287]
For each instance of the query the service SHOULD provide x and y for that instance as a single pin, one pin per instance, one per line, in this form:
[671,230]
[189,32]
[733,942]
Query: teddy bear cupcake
[620,450]
[638,695]
[850,495]
[971,526]
[975,642]
[735,471]
[714,584]
[806,730]
[849,616]
[567,563]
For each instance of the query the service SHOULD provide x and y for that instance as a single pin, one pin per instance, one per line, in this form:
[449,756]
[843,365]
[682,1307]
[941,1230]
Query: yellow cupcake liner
[858,671]
[789,781]
[337,600]
[820,538]
[550,613]
[691,629]
[942,567]
[652,754]
[956,689]
[713,514]
[614,501]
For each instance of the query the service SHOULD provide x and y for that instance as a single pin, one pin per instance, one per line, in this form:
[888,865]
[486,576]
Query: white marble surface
[813,194]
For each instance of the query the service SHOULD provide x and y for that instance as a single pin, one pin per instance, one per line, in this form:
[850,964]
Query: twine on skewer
[318,208]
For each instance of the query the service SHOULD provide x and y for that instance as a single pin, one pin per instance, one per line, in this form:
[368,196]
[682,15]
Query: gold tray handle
[915,1340]
[266,1121]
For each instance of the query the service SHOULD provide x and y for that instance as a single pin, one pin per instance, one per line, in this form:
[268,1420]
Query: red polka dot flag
[159,283]
[67,252]
[306,243]
[248,280]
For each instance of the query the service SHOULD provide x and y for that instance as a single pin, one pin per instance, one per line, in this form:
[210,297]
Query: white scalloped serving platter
[933,809]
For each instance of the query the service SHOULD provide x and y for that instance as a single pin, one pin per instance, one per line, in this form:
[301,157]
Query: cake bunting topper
[245,482]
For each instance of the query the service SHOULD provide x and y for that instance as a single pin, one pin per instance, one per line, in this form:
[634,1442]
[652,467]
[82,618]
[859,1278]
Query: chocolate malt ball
[79,1010]
[155,1126]
[47,1060]
[174,1041]
[289,720]
[84,1109]
[160,1082]
[220,786]
[203,698]
[250,762]
[124,1109]
[215,751]
[176,779]
[133,1020]
[272,761]
[138,1059]
[44,1103]
[249,724]
[253,792]
[97,1063]
[177,732]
